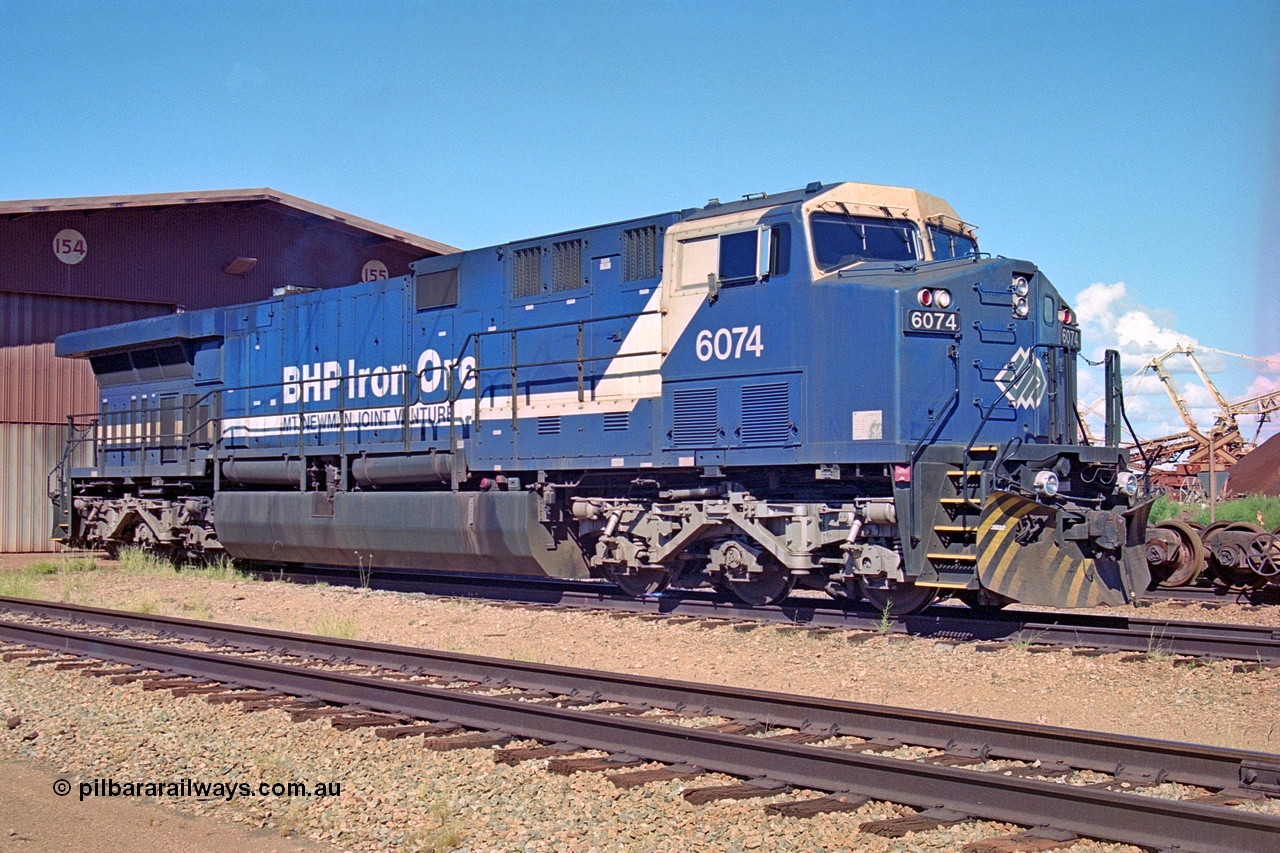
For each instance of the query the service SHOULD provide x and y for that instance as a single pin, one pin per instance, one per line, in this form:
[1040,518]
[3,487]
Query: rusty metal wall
[32,318]
[178,255]
[38,388]
[28,452]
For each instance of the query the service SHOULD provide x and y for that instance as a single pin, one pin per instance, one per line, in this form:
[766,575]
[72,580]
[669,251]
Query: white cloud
[1138,331]
[1263,384]
[1111,318]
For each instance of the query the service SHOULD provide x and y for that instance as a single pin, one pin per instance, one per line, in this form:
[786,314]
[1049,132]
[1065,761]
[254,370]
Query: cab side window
[738,253]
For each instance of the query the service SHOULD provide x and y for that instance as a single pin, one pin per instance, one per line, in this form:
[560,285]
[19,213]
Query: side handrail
[197,433]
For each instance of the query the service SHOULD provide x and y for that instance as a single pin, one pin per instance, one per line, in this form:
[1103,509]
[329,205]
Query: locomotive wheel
[1188,568]
[1264,555]
[762,588]
[898,599]
[1229,577]
[640,583]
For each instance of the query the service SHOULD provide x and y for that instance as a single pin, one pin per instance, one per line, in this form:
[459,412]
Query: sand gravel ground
[398,796]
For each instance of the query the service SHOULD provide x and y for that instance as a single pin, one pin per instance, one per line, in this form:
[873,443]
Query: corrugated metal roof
[263,194]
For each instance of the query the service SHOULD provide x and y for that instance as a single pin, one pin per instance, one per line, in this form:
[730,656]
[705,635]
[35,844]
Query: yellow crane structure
[1194,450]
[1231,555]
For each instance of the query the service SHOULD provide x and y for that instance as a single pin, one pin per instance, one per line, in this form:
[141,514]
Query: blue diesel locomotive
[829,387]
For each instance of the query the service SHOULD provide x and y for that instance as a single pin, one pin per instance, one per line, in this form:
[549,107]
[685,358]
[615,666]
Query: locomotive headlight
[925,297]
[1046,484]
[1126,484]
[1021,287]
[942,298]
[1020,308]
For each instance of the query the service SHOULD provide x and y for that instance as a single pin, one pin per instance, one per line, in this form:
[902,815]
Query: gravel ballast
[398,795]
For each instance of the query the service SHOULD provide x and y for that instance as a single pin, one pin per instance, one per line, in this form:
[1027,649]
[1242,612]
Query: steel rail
[1203,766]
[1097,813]
[1216,640]
[1257,597]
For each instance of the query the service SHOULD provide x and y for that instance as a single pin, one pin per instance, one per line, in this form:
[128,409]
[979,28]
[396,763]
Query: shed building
[75,263]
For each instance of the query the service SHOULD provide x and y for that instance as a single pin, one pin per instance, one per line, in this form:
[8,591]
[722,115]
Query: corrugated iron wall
[35,386]
[34,318]
[37,392]
[40,388]
[179,255]
[28,452]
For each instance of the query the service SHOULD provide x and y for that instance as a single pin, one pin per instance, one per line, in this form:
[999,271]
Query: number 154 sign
[70,246]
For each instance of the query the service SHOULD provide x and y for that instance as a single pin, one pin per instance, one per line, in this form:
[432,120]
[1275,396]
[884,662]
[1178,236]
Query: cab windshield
[840,239]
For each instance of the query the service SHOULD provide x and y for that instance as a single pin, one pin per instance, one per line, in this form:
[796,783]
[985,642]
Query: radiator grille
[526,272]
[640,253]
[566,265]
[549,426]
[617,421]
[766,413]
[695,421]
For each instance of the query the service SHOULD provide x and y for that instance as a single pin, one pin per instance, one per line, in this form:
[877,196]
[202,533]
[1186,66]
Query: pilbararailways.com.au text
[197,789]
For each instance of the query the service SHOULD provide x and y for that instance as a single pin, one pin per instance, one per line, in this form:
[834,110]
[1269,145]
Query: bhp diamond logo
[1023,380]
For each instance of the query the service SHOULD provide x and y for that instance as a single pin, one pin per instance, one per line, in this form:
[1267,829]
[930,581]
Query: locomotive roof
[755,201]
[875,198]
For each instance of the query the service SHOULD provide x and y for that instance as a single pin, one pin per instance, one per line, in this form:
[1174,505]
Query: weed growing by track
[885,625]
[1241,509]
[26,581]
[138,561]
[340,627]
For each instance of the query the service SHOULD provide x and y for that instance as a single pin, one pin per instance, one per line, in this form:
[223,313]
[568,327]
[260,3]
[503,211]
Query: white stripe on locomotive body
[684,287]
[632,375]
[690,251]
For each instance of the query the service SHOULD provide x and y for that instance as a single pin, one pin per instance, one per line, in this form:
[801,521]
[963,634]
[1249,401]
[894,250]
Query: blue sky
[1133,146]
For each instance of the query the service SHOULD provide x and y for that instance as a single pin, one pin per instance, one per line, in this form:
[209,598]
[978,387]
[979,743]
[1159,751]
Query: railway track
[1059,782]
[1267,596]
[1252,645]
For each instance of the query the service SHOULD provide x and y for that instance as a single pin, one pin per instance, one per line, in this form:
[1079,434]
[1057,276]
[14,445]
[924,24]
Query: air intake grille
[526,272]
[640,253]
[566,265]
[766,414]
[617,421]
[549,426]
[695,421]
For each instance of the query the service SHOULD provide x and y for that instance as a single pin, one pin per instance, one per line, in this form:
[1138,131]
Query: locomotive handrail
[454,389]
[72,443]
[198,434]
[986,416]
[998,292]
[514,365]
[948,409]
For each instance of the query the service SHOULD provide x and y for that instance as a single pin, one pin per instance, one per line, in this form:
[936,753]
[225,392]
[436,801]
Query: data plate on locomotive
[932,322]
[1070,337]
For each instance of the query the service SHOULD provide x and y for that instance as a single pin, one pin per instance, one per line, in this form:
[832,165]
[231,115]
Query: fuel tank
[473,532]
